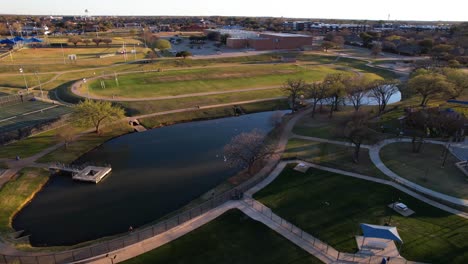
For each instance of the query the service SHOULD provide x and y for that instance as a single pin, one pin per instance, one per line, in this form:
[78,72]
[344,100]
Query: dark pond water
[154,173]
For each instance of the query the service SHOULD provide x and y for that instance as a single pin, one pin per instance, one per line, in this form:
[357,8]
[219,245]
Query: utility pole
[40,84]
[24,77]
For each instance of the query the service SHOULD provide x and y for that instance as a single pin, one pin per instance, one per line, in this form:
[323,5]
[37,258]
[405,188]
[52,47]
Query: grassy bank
[29,146]
[83,144]
[231,238]
[18,192]
[331,207]
[212,113]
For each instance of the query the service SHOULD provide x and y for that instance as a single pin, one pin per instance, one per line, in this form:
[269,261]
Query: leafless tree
[294,88]
[381,91]
[66,135]
[376,49]
[247,148]
[97,41]
[356,90]
[276,118]
[356,130]
[316,92]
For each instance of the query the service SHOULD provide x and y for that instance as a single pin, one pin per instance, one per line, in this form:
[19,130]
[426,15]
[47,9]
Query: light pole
[40,84]
[116,79]
[86,86]
[24,77]
[144,38]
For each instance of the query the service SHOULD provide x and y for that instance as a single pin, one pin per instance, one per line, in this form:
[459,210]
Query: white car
[401,206]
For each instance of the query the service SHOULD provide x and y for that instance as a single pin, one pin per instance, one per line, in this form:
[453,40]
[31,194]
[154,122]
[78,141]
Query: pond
[153,174]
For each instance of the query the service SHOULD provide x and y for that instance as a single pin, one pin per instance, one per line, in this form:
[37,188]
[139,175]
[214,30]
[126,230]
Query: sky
[428,10]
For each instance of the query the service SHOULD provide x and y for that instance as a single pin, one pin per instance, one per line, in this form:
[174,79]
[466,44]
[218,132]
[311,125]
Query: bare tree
[108,41]
[356,130]
[86,42]
[294,88]
[381,91]
[316,92]
[75,40]
[416,124]
[97,41]
[66,135]
[356,90]
[276,118]
[247,148]
[376,49]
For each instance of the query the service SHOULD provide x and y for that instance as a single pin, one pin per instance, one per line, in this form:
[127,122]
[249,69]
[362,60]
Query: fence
[16,98]
[99,250]
[317,244]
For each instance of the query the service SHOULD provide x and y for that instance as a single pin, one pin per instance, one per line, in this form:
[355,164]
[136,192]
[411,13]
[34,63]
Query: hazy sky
[453,10]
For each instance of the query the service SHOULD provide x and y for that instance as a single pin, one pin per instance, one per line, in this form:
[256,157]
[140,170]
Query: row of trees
[337,89]
[76,39]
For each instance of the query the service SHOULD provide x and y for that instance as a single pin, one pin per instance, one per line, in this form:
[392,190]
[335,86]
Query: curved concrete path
[374,153]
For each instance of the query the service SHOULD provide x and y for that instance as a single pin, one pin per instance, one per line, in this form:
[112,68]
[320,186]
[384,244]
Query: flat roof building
[240,39]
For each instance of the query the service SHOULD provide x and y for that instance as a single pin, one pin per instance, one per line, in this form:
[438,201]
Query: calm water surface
[154,173]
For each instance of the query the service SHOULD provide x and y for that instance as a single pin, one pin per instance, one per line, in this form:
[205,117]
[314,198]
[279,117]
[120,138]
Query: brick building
[269,41]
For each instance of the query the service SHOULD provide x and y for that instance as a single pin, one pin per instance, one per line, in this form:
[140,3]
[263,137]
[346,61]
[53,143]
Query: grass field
[333,156]
[84,144]
[17,192]
[168,119]
[18,80]
[231,238]
[204,80]
[146,107]
[29,146]
[425,168]
[332,206]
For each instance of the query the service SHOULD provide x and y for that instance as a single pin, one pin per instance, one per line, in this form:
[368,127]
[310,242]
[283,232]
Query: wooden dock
[92,174]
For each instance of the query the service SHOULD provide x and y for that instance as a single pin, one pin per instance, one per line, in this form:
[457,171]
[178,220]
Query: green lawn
[17,192]
[204,80]
[331,207]
[29,146]
[83,144]
[333,156]
[219,112]
[425,168]
[147,107]
[231,238]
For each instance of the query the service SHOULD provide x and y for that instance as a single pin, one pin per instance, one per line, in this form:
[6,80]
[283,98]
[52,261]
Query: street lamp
[40,84]
[24,77]
[87,87]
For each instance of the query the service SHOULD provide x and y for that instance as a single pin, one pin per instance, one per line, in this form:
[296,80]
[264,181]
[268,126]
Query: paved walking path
[374,153]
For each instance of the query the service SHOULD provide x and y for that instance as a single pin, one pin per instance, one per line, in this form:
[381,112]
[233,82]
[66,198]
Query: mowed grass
[83,144]
[205,80]
[17,81]
[331,207]
[211,113]
[333,156]
[425,168]
[17,192]
[146,107]
[29,146]
[231,238]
